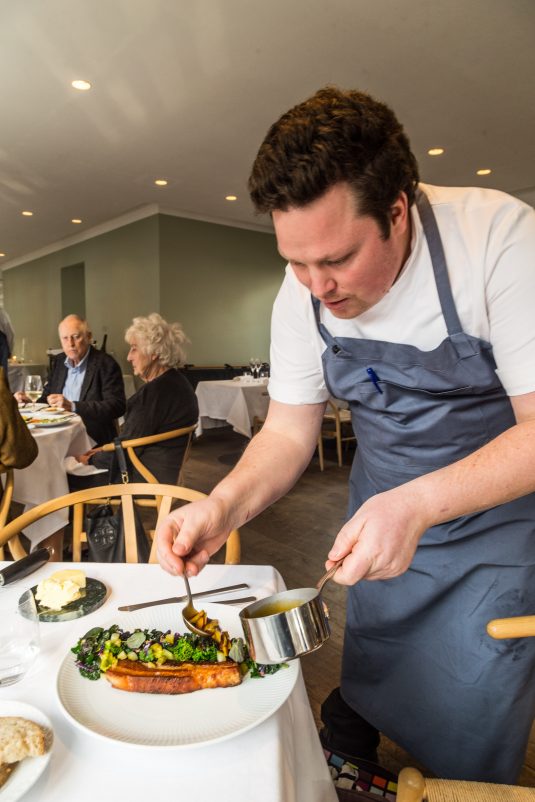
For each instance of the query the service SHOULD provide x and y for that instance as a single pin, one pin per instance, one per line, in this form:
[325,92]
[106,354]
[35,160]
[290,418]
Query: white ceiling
[186,89]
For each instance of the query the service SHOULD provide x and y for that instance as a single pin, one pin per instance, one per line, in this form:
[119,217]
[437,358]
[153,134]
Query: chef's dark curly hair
[335,136]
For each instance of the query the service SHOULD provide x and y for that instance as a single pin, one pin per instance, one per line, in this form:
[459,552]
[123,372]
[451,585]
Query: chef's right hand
[188,537]
[380,540]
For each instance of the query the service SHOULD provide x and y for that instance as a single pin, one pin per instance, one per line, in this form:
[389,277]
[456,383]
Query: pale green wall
[220,283]
[121,274]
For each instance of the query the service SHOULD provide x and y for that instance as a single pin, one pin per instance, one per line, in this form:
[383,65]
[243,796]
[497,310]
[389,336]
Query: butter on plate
[60,589]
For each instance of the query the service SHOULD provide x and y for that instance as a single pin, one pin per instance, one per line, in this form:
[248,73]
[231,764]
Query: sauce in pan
[274,608]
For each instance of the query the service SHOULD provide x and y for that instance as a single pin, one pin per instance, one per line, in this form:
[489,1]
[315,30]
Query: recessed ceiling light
[231,197]
[75,220]
[83,86]
[484,171]
[161,182]
[436,151]
[27,214]
[2,254]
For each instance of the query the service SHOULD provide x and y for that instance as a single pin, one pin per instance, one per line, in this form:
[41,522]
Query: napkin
[72,465]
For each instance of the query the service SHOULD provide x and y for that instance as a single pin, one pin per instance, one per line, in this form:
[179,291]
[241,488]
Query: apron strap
[438,259]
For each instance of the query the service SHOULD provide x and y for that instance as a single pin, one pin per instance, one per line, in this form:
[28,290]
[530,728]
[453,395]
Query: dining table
[235,402]
[278,759]
[46,478]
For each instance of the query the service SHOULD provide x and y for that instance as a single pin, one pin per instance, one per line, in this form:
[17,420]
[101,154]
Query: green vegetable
[100,649]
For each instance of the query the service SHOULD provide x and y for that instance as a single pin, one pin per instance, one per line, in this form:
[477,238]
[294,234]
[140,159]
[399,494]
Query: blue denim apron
[417,661]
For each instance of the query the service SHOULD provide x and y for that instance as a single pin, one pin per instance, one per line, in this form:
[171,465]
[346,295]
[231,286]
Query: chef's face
[341,256]
[75,338]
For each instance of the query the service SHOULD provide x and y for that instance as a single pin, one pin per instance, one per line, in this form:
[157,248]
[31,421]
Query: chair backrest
[149,440]
[5,502]
[413,787]
[126,493]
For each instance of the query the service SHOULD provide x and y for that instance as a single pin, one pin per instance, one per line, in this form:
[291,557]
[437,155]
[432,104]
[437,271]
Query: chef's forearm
[499,472]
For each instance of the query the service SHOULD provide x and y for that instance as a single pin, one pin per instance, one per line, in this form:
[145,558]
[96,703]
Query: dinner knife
[129,608]
[21,568]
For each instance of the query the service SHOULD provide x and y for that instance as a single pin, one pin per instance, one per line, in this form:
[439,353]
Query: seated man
[88,382]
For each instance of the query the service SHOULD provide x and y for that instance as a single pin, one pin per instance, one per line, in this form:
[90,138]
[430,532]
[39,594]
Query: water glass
[19,638]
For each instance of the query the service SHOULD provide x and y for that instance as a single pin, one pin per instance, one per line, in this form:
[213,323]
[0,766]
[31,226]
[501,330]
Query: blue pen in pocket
[375,379]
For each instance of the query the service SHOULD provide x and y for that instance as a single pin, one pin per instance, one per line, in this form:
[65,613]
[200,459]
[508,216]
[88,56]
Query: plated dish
[56,420]
[163,721]
[28,771]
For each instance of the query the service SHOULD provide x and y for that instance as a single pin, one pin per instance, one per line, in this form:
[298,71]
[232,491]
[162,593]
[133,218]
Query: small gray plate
[93,596]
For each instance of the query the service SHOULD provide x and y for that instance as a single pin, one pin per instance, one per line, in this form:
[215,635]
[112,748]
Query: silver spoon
[189,612]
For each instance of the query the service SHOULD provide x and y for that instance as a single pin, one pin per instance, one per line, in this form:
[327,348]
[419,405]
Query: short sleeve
[296,347]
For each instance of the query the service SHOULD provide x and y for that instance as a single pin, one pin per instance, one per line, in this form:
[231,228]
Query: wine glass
[33,388]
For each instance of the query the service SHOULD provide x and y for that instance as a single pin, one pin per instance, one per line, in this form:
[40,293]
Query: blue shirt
[75,378]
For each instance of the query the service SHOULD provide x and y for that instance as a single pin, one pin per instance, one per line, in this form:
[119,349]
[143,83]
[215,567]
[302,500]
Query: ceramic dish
[28,771]
[162,721]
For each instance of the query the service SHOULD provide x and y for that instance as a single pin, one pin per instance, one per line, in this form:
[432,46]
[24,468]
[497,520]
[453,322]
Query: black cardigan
[161,405]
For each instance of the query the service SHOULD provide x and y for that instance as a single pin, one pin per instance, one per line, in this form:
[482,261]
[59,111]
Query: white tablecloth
[234,401]
[46,477]
[280,760]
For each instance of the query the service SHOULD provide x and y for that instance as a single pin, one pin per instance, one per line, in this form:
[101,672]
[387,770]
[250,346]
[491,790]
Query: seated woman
[166,401]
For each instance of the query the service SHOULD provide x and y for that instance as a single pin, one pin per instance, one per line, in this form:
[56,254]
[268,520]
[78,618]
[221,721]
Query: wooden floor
[294,535]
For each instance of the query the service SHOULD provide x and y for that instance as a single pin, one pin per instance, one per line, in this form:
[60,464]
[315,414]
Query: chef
[414,304]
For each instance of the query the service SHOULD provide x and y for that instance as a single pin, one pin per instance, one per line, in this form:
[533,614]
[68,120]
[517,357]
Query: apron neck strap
[438,260]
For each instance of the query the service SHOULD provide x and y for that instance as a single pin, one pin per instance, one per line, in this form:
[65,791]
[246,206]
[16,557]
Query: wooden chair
[335,425]
[414,787]
[139,442]
[5,502]
[125,493]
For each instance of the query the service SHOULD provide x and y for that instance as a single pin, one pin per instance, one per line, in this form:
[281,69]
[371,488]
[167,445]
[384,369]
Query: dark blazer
[102,398]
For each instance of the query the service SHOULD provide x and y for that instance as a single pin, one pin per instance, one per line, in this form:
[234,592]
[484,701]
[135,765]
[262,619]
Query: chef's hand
[188,537]
[380,540]
[58,400]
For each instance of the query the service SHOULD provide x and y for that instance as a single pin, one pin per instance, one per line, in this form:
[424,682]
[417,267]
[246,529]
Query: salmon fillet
[173,678]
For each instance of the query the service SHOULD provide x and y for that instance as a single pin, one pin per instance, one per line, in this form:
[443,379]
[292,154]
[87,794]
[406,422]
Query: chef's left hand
[379,541]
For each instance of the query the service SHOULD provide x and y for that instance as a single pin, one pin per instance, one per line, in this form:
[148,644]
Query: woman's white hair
[154,336]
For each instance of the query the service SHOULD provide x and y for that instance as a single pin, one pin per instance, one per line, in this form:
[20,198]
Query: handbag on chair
[104,526]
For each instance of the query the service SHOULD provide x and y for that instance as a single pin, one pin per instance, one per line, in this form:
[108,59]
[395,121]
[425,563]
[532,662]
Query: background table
[235,402]
[280,760]
[46,477]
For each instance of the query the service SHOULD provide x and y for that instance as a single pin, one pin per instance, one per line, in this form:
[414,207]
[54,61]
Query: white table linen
[280,760]
[232,401]
[46,477]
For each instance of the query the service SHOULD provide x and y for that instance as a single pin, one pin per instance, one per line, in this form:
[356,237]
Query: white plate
[27,772]
[46,423]
[185,720]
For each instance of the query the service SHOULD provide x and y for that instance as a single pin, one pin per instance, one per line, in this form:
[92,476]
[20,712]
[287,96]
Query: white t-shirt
[489,243]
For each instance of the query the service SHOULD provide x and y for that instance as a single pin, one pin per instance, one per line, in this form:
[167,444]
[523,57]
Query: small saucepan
[288,624]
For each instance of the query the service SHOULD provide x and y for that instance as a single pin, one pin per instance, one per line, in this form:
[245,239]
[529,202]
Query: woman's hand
[20,397]
[189,536]
[380,540]
[84,458]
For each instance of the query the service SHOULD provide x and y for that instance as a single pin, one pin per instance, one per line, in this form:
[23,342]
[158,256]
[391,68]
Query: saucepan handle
[329,575]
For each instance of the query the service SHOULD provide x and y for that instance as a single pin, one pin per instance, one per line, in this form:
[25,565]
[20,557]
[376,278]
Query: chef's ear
[399,211]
